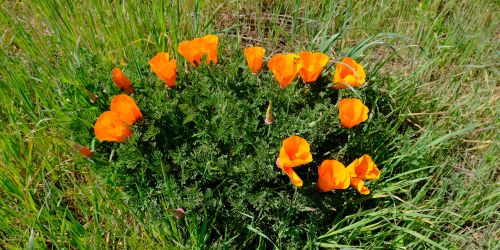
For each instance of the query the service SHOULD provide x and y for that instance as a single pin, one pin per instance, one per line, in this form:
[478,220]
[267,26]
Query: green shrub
[204,146]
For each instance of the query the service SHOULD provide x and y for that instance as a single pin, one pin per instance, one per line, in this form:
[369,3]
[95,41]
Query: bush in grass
[204,146]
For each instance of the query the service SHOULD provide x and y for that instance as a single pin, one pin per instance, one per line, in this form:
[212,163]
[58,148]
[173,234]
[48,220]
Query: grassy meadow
[432,74]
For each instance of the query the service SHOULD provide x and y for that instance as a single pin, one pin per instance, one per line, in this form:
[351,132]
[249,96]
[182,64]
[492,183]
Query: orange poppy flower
[125,106]
[295,151]
[361,169]
[332,175]
[195,49]
[210,47]
[313,65]
[364,168]
[190,51]
[348,72]
[164,68]
[360,186]
[121,81]
[109,127]
[285,68]
[254,56]
[352,112]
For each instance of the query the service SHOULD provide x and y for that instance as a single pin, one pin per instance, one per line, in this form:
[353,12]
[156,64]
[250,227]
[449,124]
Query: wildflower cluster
[295,152]
[114,125]
[117,124]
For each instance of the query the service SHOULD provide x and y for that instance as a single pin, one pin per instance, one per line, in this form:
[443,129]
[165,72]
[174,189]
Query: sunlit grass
[433,62]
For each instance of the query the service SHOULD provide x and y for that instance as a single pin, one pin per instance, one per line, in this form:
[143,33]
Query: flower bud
[269,114]
[177,213]
[93,97]
[84,151]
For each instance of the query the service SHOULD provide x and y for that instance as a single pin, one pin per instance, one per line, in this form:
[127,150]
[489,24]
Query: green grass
[433,127]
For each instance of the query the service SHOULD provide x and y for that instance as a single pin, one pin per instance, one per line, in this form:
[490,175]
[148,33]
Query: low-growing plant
[204,146]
